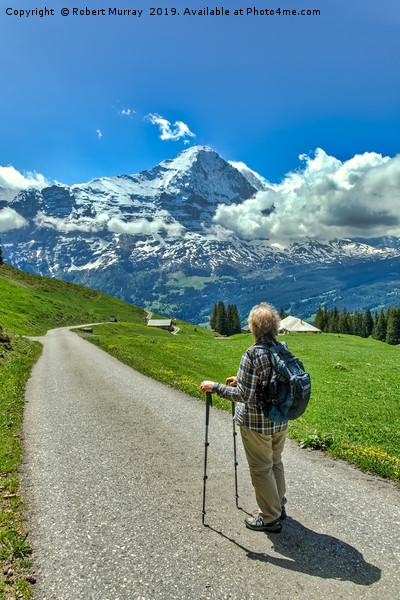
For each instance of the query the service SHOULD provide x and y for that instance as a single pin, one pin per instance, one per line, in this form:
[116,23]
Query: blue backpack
[286,393]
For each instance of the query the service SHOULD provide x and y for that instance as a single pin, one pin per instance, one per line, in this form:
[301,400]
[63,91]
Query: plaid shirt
[254,367]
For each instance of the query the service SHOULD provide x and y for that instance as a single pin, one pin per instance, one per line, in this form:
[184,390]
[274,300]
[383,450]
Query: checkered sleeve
[254,366]
[246,382]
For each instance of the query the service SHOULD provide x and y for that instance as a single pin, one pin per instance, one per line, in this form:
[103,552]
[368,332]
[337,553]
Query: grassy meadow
[354,410]
[353,413]
[30,305]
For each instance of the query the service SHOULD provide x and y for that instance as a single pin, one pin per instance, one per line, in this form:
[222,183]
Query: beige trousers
[263,454]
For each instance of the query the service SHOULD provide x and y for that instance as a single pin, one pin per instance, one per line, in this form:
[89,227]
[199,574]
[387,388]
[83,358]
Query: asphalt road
[113,479]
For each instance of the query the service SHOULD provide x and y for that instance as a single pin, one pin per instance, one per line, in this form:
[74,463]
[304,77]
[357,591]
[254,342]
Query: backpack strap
[265,345]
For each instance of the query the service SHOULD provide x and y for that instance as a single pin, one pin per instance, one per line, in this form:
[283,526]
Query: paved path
[113,479]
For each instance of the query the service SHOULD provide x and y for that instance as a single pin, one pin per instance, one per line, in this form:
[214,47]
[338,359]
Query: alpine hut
[296,325]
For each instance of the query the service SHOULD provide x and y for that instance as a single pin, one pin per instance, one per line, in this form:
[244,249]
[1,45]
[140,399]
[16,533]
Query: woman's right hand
[207,386]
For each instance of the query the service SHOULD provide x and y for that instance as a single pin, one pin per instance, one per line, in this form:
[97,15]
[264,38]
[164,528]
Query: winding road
[113,481]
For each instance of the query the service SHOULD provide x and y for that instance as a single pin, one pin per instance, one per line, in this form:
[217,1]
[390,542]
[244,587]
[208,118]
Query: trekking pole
[235,462]
[206,444]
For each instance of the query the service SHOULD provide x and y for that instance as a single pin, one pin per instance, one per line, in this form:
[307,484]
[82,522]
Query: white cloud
[175,132]
[327,199]
[10,178]
[103,221]
[100,135]
[140,226]
[10,219]
[95,224]
[128,112]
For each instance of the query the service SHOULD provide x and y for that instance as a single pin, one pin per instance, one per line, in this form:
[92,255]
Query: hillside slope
[31,304]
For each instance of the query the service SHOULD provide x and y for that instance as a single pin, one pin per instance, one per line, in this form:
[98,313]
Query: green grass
[31,305]
[17,356]
[355,406]
[172,359]
[353,413]
[177,281]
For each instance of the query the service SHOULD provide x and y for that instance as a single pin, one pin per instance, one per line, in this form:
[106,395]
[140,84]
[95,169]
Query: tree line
[225,321]
[383,325]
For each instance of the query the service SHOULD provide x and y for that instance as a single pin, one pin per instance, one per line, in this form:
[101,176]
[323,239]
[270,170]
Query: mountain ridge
[151,238]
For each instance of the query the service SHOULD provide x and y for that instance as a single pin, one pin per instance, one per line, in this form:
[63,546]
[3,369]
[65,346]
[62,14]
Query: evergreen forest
[384,325]
[225,320]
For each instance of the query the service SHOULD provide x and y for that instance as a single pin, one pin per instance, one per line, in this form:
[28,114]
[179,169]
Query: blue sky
[82,96]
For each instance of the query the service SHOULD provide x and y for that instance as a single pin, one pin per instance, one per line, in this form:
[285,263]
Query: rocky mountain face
[150,239]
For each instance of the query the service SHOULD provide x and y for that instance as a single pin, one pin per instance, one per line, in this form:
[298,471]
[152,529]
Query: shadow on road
[316,554]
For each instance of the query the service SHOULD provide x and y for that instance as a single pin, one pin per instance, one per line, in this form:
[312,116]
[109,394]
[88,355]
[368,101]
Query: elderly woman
[263,440]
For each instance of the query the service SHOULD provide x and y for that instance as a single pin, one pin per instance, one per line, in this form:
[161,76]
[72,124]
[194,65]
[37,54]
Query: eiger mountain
[149,239]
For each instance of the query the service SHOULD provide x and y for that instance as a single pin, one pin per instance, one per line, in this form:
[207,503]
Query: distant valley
[151,239]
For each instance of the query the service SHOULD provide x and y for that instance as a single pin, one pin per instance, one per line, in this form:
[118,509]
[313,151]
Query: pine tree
[380,327]
[375,325]
[368,323]
[321,319]
[233,320]
[345,322]
[229,320]
[333,321]
[237,325]
[393,327]
[221,321]
[213,318]
[1,254]
[358,324]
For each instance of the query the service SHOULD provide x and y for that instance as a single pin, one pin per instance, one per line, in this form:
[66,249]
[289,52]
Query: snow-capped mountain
[151,239]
